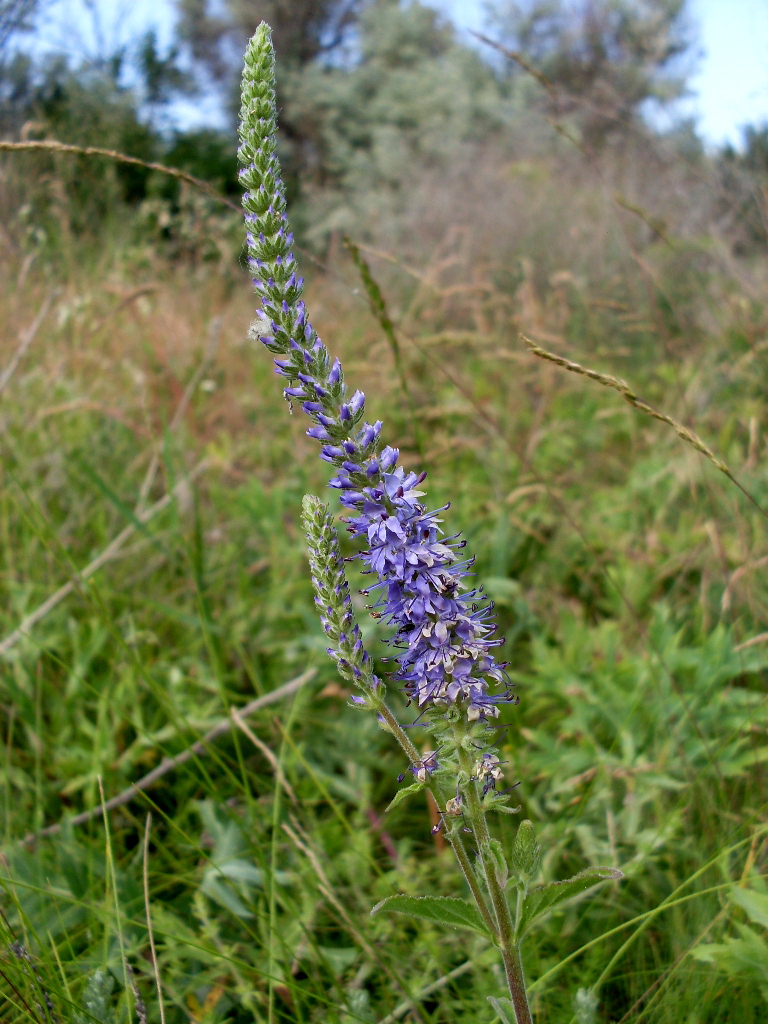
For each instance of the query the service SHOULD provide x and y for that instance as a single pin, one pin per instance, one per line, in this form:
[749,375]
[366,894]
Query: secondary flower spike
[443,634]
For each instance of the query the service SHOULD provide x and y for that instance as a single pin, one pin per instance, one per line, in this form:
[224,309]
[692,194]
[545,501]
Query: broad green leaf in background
[97,1000]
[545,897]
[230,878]
[755,904]
[745,958]
[505,1011]
[440,909]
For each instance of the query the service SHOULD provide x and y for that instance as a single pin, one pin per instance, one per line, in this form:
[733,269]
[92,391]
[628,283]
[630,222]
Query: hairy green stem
[399,733]
[510,949]
[457,844]
[513,966]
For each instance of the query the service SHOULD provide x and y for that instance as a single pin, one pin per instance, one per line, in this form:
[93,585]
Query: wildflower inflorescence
[488,771]
[442,632]
[332,596]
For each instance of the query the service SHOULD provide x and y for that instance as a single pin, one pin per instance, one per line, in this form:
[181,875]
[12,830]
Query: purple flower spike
[441,629]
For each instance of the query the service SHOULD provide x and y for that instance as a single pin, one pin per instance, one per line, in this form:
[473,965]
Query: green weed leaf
[745,959]
[755,904]
[403,793]
[505,1011]
[544,897]
[440,909]
[496,805]
[97,1000]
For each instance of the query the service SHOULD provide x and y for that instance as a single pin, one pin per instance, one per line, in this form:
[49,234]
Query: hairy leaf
[403,793]
[544,897]
[504,1009]
[440,909]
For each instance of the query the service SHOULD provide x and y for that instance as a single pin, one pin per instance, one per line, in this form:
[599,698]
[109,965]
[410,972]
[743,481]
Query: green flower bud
[526,854]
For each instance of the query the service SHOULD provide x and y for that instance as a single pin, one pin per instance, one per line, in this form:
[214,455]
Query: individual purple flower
[423,768]
[488,771]
[442,630]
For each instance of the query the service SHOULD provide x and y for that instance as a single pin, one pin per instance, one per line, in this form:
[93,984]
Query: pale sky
[730,87]
[732,83]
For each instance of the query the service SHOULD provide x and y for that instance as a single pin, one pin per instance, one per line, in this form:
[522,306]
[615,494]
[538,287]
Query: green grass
[624,570]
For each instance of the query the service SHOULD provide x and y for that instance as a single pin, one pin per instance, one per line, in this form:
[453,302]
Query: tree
[302,30]
[134,72]
[412,90]
[215,34]
[412,101]
[743,176]
[15,16]
[603,61]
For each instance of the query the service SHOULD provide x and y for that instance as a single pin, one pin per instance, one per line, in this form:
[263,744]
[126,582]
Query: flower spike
[443,638]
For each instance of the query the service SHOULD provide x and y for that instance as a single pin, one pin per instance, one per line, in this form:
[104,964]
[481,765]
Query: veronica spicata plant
[442,633]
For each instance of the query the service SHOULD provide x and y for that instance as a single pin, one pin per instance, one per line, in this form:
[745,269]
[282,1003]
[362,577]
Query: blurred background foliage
[527,184]
[381,103]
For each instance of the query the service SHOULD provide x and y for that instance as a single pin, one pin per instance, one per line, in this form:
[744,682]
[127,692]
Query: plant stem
[454,838]
[510,950]
[457,845]
[513,967]
[399,733]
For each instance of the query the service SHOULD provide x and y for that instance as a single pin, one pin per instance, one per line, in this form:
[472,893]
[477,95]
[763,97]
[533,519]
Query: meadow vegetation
[154,578]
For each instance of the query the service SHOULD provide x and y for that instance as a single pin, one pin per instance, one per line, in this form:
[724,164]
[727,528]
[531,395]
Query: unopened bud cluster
[332,595]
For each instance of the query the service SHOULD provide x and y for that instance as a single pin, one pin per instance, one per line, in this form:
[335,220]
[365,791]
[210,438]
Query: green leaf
[505,1011]
[745,959]
[231,882]
[585,1005]
[495,805]
[496,852]
[97,1000]
[754,903]
[403,793]
[339,958]
[544,897]
[440,909]
[225,895]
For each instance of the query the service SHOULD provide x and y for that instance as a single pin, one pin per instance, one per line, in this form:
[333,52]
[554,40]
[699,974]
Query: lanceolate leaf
[497,805]
[545,897]
[505,1011]
[440,909]
[403,793]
